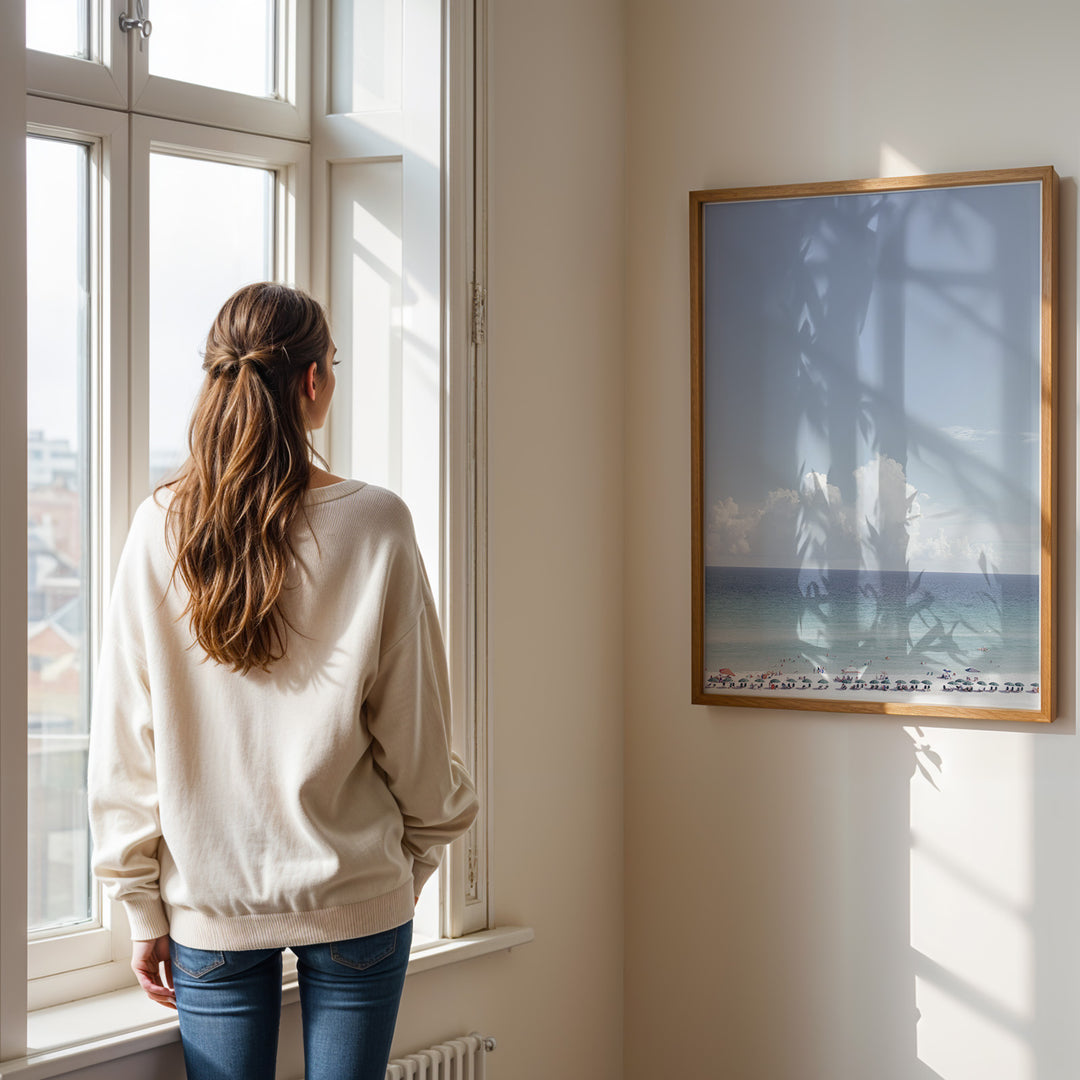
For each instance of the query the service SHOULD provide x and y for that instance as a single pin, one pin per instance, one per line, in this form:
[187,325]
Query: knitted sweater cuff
[146,918]
[421,872]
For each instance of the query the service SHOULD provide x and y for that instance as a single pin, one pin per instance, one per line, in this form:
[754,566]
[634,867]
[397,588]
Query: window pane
[228,46]
[58,501]
[211,231]
[365,55]
[58,26]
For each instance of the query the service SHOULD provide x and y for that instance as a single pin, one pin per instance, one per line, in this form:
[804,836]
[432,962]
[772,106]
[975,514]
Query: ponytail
[237,498]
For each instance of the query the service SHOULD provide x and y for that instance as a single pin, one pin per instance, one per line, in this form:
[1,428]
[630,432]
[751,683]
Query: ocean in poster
[873,635]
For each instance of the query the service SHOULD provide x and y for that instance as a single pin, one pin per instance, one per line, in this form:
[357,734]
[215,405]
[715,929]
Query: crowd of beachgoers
[970,680]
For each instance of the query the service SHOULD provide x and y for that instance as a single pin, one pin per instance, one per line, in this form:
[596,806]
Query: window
[59,28]
[239,54]
[142,154]
[58,226]
[196,206]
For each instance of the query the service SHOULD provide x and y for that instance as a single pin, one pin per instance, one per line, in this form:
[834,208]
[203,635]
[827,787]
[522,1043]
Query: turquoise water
[908,625]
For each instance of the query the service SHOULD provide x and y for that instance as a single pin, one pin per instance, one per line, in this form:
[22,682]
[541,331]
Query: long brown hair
[242,488]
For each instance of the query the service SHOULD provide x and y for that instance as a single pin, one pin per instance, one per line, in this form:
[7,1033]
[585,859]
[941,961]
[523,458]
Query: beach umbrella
[971,669]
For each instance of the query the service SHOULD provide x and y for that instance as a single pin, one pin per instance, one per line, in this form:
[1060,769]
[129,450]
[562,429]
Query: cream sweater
[304,805]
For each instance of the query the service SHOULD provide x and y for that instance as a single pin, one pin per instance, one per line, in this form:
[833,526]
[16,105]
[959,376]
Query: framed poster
[873,445]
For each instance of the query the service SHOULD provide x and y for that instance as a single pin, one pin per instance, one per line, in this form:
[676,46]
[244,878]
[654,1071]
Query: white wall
[800,901]
[555,492]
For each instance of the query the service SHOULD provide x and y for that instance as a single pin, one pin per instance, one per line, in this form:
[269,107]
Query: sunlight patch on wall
[971,901]
[962,1043]
[893,163]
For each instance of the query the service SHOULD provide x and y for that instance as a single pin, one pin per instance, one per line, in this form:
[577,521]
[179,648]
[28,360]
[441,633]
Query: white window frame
[287,116]
[13,457]
[105,83]
[470,903]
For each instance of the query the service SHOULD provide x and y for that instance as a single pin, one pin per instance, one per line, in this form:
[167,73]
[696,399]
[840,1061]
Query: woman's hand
[148,959]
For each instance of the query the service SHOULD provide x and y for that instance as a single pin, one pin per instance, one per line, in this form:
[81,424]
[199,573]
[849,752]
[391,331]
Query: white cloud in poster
[890,525]
[753,530]
[969,434]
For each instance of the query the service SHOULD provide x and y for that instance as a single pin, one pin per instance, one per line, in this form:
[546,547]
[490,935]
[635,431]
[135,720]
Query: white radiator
[456,1059]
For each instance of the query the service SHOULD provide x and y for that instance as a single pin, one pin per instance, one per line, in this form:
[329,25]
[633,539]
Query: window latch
[142,24]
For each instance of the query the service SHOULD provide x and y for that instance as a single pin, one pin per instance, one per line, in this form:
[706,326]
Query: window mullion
[137,317]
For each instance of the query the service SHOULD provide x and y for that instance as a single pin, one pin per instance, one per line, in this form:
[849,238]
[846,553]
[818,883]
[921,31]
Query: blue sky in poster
[871,380]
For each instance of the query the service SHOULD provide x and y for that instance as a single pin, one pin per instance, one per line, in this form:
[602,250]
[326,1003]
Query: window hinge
[479,313]
[473,870]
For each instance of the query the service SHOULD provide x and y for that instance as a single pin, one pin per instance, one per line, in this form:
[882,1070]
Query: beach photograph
[871,469]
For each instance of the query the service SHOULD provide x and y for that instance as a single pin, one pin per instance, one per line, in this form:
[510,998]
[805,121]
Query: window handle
[142,24]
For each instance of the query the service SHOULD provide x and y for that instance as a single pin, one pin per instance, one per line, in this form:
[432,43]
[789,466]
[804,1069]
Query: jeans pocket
[195,962]
[364,952]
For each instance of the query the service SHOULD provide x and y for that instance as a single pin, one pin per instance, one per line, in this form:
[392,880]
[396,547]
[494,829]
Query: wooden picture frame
[873,432]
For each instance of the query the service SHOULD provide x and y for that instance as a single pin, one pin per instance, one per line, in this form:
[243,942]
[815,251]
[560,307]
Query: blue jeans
[230,1007]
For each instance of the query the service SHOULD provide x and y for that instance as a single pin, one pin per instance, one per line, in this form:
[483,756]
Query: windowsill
[83,1033]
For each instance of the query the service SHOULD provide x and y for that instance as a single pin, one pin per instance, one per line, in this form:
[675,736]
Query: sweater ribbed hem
[282,929]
